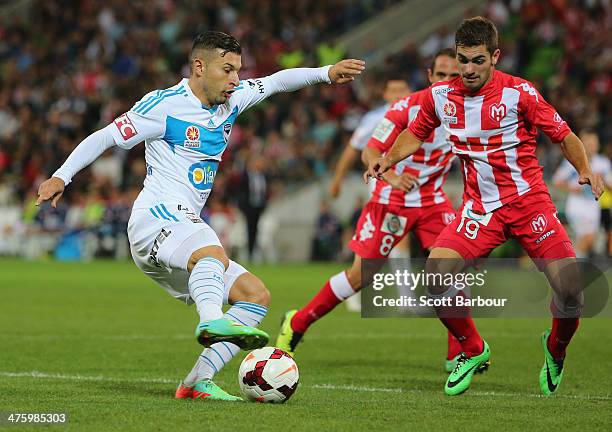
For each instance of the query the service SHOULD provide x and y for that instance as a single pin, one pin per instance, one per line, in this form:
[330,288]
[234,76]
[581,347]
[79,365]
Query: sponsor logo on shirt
[383,130]
[192,135]
[202,174]
[538,224]
[125,126]
[528,89]
[450,111]
[443,90]
[497,112]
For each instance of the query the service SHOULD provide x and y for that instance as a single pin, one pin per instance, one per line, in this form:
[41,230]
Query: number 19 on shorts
[471,227]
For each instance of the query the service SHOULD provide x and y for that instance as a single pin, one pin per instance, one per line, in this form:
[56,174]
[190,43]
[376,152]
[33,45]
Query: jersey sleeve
[541,114]
[145,120]
[426,120]
[392,124]
[252,91]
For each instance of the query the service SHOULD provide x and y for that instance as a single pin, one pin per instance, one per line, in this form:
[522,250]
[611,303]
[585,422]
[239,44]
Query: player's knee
[216,252]
[249,288]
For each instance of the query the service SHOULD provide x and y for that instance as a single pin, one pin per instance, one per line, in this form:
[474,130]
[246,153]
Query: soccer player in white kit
[186,130]
[583,213]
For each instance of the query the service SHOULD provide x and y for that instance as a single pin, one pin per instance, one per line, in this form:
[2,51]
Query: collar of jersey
[185,82]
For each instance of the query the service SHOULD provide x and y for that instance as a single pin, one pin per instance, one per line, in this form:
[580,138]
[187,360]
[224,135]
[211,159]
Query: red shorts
[382,226]
[531,219]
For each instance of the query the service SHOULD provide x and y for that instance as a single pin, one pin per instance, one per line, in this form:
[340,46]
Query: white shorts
[584,219]
[162,240]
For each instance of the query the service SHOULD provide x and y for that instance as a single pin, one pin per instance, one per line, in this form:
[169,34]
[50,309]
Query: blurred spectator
[328,234]
[253,196]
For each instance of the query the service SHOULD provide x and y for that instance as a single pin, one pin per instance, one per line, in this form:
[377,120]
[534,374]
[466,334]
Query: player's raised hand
[376,168]
[345,71]
[596,182]
[51,189]
[404,182]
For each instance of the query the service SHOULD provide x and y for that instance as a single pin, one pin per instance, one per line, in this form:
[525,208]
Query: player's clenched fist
[345,71]
[376,168]
[51,189]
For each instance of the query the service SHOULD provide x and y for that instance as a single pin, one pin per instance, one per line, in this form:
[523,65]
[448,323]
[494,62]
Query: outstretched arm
[85,153]
[288,80]
[254,90]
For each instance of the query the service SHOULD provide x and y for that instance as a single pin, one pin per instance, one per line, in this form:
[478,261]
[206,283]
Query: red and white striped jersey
[430,164]
[493,131]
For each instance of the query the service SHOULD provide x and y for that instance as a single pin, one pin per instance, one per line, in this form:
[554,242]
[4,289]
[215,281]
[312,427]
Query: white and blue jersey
[184,140]
[367,126]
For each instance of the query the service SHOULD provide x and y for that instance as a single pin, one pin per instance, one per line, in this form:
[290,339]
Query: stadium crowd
[67,70]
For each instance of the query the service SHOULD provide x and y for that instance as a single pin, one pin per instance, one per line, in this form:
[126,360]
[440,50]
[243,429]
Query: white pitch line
[352,388]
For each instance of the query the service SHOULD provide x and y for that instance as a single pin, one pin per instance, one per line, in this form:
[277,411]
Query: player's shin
[207,287]
[566,305]
[336,290]
[214,358]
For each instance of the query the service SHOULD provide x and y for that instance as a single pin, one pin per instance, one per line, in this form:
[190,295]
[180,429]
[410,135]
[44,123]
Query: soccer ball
[268,375]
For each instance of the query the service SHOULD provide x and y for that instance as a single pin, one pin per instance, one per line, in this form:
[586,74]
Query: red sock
[321,304]
[562,331]
[454,347]
[465,332]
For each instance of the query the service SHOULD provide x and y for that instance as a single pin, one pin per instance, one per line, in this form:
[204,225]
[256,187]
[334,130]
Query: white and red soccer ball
[268,374]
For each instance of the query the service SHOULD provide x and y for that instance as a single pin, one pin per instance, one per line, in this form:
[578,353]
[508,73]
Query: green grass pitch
[103,343]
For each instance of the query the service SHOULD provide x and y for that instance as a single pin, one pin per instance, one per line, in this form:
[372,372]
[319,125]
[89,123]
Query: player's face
[476,65]
[445,69]
[220,76]
[395,90]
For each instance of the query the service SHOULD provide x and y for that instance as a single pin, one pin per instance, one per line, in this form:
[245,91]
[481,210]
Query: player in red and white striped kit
[409,198]
[491,119]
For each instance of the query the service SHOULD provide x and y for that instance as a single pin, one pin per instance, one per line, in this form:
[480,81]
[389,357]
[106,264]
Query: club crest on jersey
[450,112]
[497,112]
[192,133]
[227,130]
[538,224]
[202,174]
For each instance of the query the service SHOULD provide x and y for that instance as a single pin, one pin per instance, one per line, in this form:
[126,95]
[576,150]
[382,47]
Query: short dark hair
[394,76]
[210,40]
[448,52]
[477,31]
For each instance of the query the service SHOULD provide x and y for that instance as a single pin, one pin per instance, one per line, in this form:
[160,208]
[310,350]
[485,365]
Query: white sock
[341,286]
[207,287]
[218,355]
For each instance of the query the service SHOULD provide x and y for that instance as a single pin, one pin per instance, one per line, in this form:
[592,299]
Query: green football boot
[225,330]
[552,371]
[449,365]
[288,339]
[208,390]
[460,378]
